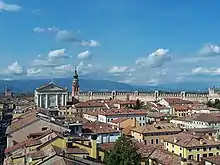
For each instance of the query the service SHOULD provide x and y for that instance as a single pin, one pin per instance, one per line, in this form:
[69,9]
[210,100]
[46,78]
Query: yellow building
[154,133]
[192,147]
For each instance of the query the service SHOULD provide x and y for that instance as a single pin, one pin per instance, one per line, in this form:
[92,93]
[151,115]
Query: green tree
[138,104]
[124,152]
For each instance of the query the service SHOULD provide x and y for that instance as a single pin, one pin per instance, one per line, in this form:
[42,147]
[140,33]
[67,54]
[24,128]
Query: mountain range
[28,85]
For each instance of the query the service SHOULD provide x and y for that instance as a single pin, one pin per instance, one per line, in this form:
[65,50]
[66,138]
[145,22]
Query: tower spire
[75,85]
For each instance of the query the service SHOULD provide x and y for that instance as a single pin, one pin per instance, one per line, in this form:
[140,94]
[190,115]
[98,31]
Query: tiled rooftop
[164,157]
[177,101]
[188,140]
[98,127]
[213,159]
[156,128]
[89,104]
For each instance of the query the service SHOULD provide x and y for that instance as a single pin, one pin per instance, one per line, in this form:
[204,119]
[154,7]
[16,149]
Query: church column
[66,98]
[57,100]
[62,100]
[46,103]
[40,100]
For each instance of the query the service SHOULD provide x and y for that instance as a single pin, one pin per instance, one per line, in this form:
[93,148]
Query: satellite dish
[29,160]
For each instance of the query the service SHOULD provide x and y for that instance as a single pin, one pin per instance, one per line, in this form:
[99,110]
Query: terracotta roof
[28,142]
[156,115]
[122,111]
[213,159]
[203,117]
[188,140]
[177,101]
[156,128]
[22,122]
[181,107]
[89,104]
[127,130]
[98,127]
[122,102]
[164,157]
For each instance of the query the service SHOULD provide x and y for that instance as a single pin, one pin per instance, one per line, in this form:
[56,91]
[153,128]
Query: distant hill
[101,85]
[85,85]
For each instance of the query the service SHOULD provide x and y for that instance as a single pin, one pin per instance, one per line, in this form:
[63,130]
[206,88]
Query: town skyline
[140,43]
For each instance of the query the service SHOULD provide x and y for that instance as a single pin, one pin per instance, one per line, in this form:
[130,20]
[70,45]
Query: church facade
[51,96]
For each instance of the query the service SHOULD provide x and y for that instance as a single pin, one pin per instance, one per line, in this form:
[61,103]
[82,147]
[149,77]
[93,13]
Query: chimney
[93,153]
[201,141]
[133,122]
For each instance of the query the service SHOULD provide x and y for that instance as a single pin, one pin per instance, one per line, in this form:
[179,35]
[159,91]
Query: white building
[105,132]
[111,114]
[51,95]
[202,120]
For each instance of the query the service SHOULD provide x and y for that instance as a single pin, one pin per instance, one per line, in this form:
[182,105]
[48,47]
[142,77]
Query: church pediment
[51,87]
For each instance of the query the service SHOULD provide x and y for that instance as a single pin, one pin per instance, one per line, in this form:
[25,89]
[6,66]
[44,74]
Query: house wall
[37,126]
[141,119]
[194,152]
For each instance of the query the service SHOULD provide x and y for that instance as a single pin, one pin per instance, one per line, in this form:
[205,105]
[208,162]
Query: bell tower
[75,85]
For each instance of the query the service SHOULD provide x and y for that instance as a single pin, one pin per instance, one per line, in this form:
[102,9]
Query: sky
[146,42]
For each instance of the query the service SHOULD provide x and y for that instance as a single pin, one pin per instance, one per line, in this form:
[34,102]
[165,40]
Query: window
[157,141]
[173,146]
[217,153]
[77,128]
[152,141]
[210,154]
[44,128]
[190,150]
[145,142]
[180,148]
[190,157]
[140,118]
[210,148]
[180,155]
[217,148]
[204,155]
[197,149]
[167,144]
[204,149]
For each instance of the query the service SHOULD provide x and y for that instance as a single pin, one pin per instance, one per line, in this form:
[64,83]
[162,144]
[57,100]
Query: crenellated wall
[145,96]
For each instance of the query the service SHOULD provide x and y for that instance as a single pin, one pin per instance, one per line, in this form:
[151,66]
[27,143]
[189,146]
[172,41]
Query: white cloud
[155,59]
[210,49]
[163,72]
[66,36]
[15,69]
[44,63]
[9,7]
[66,67]
[41,30]
[153,82]
[84,68]
[84,55]
[58,54]
[90,43]
[206,71]
[120,69]
[33,71]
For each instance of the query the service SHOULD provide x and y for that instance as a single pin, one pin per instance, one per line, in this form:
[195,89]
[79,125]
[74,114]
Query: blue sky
[137,42]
